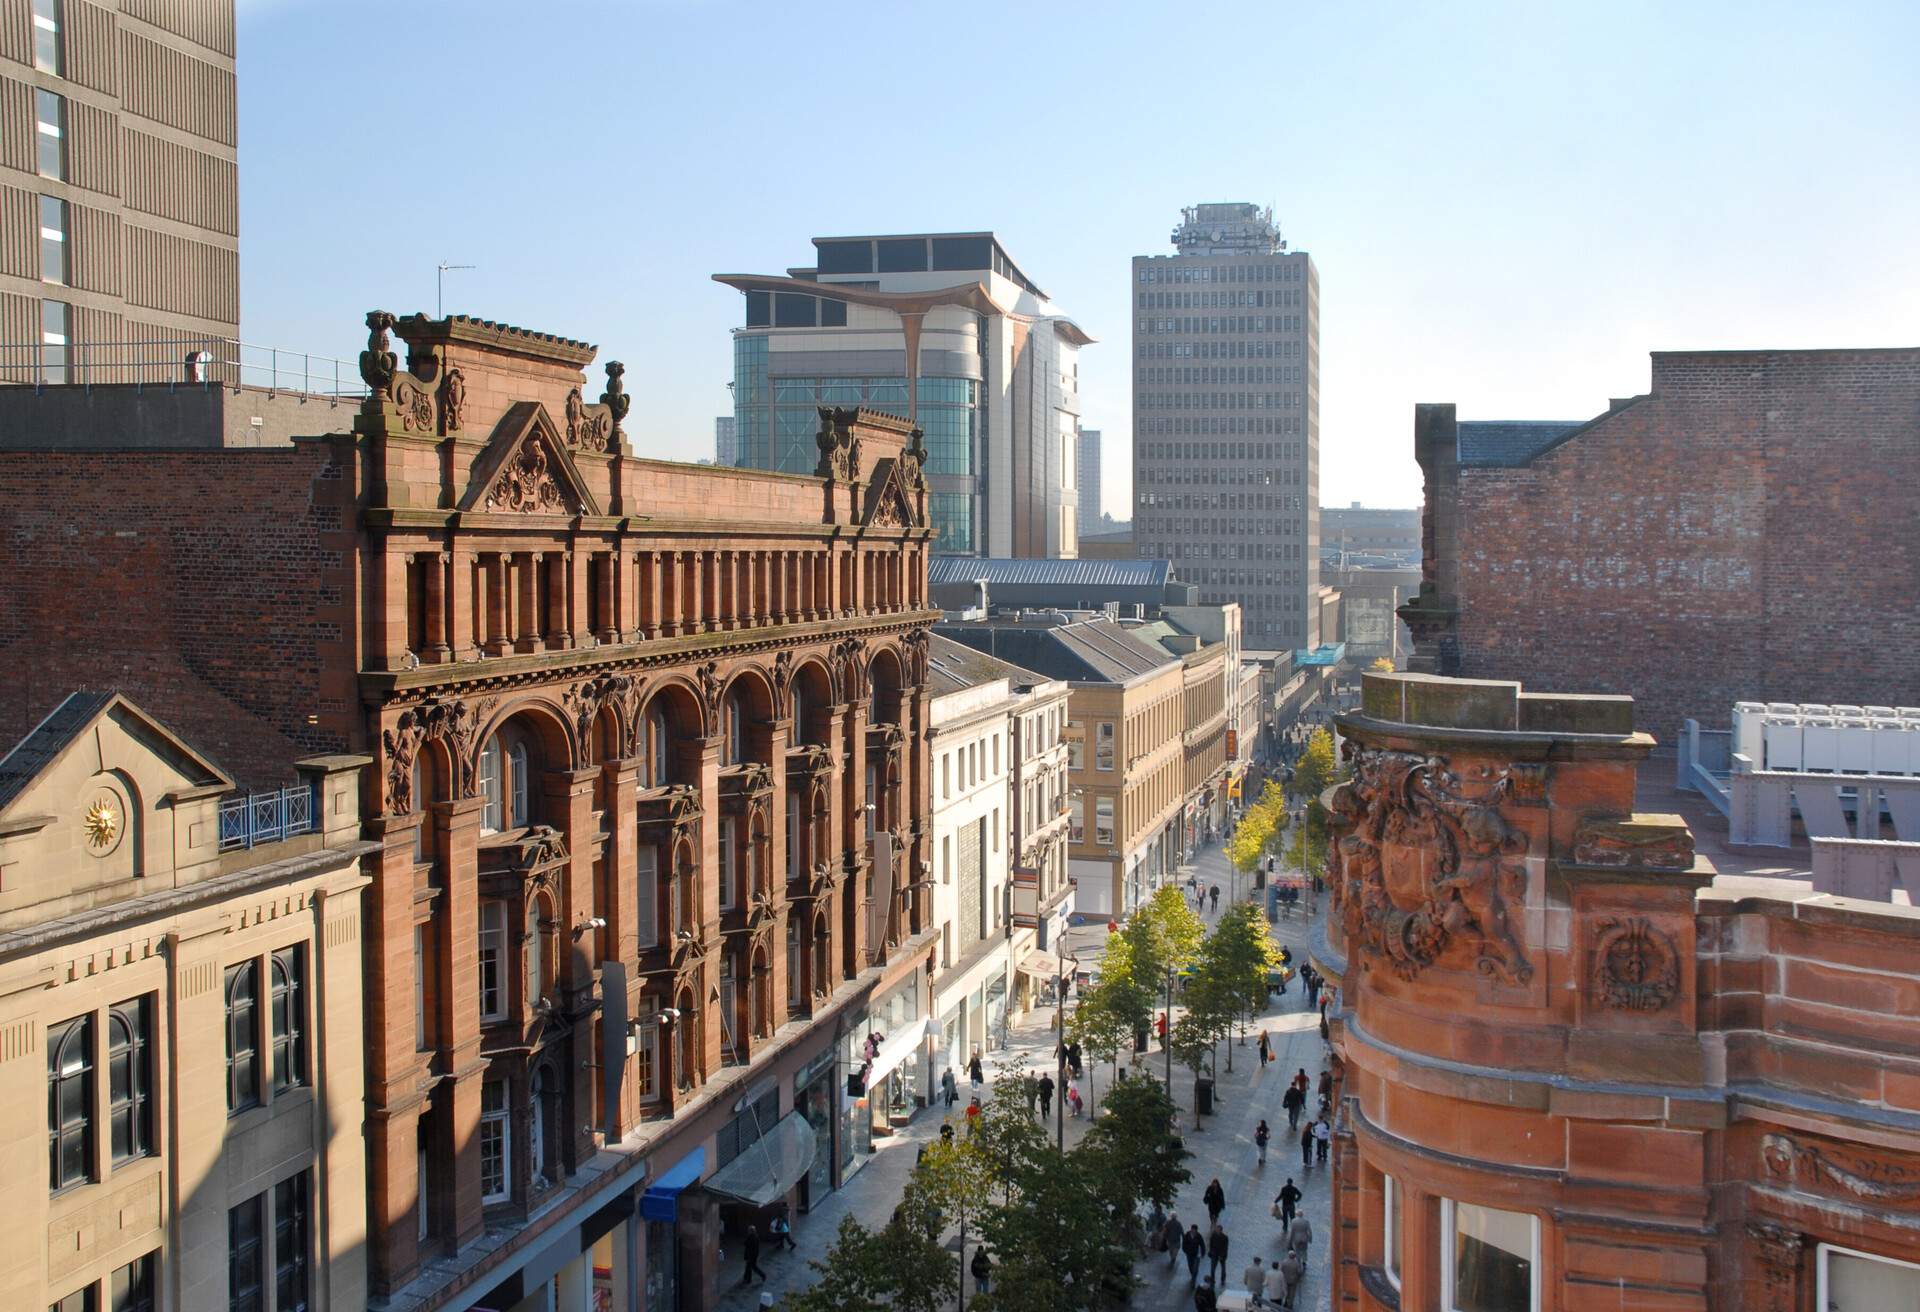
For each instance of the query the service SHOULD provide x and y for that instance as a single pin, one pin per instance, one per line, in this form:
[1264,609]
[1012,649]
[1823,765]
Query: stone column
[455,1158]
[435,570]
[569,796]
[669,595]
[691,616]
[393,1063]
[464,595]
[390,630]
[496,580]
[724,589]
[566,599]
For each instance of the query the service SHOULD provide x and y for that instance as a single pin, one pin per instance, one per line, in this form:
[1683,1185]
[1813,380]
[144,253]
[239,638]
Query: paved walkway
[1222,1148]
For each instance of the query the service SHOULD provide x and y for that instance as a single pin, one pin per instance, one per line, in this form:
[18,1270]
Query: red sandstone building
[1739,533]
[1579,1069]
[649,779]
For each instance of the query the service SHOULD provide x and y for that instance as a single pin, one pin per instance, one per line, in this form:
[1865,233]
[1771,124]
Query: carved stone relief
[1422,865]
[1826,1168]
[1635,966]
[527,485]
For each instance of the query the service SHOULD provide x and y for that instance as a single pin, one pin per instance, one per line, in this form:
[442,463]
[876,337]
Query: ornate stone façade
[1577,1069]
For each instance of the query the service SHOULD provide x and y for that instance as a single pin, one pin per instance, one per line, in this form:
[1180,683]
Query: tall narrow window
[519,787]
[1076,820]
[495,1143]
[493,959]
[56,260]
[291,1242]
[243,1036]
[50,114]
[246,1274]
[537,1094]
[1103,821]
[729,1018]
[793,963]
[130,1080]
[794,864]
[49,53]
[1390,1207]
[1103,747]
[80,1300]
[1490,1259]
[535,966]
[70,1101]
[734,742]
[290,1017]
[659,749]
[647,896]
[132,1286]
[729,860]
[492,796]
[647,1059]
[56,338]
[873,800]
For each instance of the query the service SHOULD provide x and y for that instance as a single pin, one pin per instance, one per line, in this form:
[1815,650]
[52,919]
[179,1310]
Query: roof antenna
[440,286]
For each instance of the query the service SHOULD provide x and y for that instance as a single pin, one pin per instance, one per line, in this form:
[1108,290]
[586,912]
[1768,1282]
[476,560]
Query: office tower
[724,446]
[1226,446]
[996,390]
[119,205]
[1090,506]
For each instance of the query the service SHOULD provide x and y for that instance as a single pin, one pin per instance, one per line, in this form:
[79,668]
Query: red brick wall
[211,587]
[1744,532]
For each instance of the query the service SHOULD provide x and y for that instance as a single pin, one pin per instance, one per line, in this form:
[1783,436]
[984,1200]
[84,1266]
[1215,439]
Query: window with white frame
[1489,1259]
[496,1142]
[493,960]
[519,781]
[646,879]
[647,1058]
[493,809]
[1852,1281]
[1076,820]
[1390,1207]
[1103,747]
[1103,821]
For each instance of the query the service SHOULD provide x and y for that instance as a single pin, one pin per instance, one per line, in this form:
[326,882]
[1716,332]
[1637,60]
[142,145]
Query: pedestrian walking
[946,1132]
[973,1068]
[1278,1291]
[1031,1087]
[1300,1237]
[1075,1105]
[973,1115]
[751,1247]
[1326,1086]
[1306,1145]
[1217,1243]
[1213,893]
[1293,1269]
[1073,1060]
[949,1088]
[1170,1236]
[1255,1279]
[1216,1200]
[982,1271]
[1322,1140]
[1266,1048]
[1260,1136]
[782,1226]
[1194,1248]
[1293,1100]
[1204,1299]
[1160,1028]
[1300,1079]
[1325,1036]
[1286,1203]
[1046,1096]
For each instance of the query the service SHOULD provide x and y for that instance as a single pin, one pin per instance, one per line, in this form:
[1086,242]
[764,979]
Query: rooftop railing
[255,818]
[186,361]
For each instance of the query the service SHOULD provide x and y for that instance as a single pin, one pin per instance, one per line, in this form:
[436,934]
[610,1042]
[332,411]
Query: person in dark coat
[1293,1100]
[1046,1096]
[1194,1247]
[1204,1299]
[1288,1201]
[973,1068]
[982,1270]
[1170,1237]
[1216,1200]
[1306,1145]
[949,1088]
[1217,1253]
[751,1247]
[1260,1136]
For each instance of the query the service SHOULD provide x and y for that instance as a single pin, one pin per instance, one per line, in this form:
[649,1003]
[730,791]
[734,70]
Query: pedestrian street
[1223,1147]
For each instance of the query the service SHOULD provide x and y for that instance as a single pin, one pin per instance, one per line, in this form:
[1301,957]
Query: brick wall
[211,587]
[1744,532]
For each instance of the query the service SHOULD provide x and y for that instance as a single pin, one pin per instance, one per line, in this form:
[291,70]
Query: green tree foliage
[1313,774]
[1243,953]
[1259,828]
[1165,934]
[900,1266]
[1135,1157]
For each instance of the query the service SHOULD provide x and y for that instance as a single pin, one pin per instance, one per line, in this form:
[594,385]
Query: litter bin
[1203,1096]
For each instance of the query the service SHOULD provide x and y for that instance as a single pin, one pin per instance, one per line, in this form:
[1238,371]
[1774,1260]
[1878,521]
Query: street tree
[1135,1156]
[900,1266]
[954,1179]
[1381,665]
[1312,776]
[1244,954]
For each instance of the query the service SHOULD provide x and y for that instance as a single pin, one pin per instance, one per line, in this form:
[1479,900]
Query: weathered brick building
[649,780]
[1740,532]
[1578,1067]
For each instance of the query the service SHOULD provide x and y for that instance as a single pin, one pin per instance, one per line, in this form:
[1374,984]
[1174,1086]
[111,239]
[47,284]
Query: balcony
[257,818]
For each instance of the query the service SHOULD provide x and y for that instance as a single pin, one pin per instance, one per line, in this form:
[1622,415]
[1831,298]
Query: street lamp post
[1060,1049]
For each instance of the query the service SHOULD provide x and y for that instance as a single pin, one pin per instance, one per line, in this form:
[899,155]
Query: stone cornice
[379,687]
[1516,744]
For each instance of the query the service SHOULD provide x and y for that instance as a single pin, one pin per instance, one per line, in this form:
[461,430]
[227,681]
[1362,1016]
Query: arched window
[686,909]
[70,1101]
[519,786]
[800,712]
[534,975]
[492,785]
[756,868]
[129,1079]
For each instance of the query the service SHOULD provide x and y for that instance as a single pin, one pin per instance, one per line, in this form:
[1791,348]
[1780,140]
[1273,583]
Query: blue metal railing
[256,818]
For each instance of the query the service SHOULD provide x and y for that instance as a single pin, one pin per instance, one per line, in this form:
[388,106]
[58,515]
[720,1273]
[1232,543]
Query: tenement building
[119,191]
[1226,429]
[181,1023]
[648,784]
[1744,511]
[1577,1066]
[994,380]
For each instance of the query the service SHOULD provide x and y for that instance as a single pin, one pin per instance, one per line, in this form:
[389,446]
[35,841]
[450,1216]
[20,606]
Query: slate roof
[31,754]
[954,666]
[1509,443]
[1088,651]
[1051,573]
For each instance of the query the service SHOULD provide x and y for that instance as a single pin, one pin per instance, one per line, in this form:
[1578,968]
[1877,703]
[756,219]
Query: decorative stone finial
[378,362]
[615,398]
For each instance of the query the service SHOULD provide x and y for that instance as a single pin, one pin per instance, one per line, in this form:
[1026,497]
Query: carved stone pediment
[889,503]
[675,807]
[1834,1171]
[532,856]
[1420,865]
[527,469]
[809,758]
[747,782]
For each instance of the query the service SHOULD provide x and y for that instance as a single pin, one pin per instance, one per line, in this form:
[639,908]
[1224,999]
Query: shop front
[815,1097]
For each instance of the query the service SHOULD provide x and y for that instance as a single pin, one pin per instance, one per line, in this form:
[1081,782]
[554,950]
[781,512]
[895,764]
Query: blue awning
[661,1201]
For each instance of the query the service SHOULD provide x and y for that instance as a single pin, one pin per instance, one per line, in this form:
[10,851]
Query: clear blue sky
[1509,203]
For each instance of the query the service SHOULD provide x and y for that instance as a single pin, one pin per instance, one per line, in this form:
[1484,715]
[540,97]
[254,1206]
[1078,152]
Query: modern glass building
[996,392]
